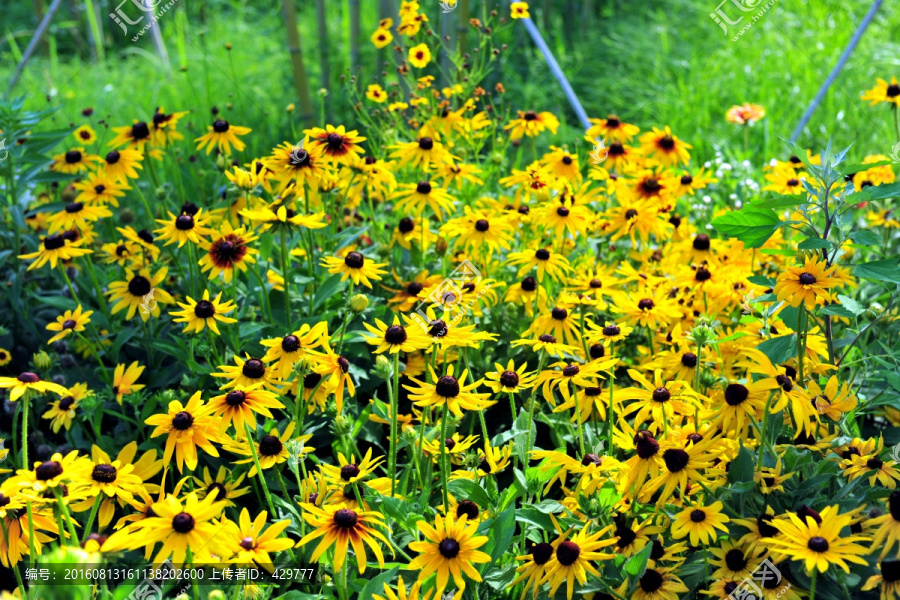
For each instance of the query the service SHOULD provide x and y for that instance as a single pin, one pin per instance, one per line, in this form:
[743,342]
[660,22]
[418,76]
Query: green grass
[653,63]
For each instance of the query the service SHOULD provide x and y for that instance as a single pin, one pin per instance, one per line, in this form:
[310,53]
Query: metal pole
[557,72]
[836,70]
[38,34]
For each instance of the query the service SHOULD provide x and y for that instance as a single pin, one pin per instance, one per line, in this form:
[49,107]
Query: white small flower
[707,199]
[707,164]
[108,87]
[738,203]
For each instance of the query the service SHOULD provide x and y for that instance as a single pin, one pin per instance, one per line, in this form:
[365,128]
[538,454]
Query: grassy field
[651,63]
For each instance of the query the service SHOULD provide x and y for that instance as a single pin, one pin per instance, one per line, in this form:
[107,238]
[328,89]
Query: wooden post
[354,36]
[301,83]
[324,63]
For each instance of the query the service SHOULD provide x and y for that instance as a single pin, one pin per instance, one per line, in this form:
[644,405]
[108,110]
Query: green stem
[541,362]
[395,401]
[65,511]
[26,398]
[800,344]
[610,413]
[90,521]
[578,421]
[259,471]
[443,459]
[812,585]
[285,266]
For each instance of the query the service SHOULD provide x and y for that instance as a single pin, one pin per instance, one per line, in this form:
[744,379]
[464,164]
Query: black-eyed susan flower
[884,92]
[246,372]
[808,285]
[699,523]
[99,188]
[77,215]
[140,290]
[681,467]
[509,379]
[381,37]
[612,128]
[396,337]
[61,412]
[662,145]
[448,391]
[342,527]
[222,135]
[287,351]
[533,569]
[228,250]
[530,123]
[250,542]
[337,368]
[336,143]
[572,558]
[659,583]
[519,10]
[134,136]
[356,267]
[422,153]
[222,486]
[28,381]
[786,182]
[818,542]
[56,248]
[887,580]
[5,357]
[240,405]
[187,427]
[270,450]
[71,321]
[75,160]
[183,228]
[121,165]
[204,313]
[106,480]
[554,265]
[414,593]
[180,525]
[350,470]
[546,343]
[124,380]
[450,548]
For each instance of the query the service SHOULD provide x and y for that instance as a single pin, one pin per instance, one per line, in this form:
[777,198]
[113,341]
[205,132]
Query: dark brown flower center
[424,187]
[661,394]
[541,553]
[651,581]
[645,444]
[890,571]
[567,553]
[893,90]
[426,143]
[204,309]
[807,279]
[611,330]
[184,223]
[66,403]
[542,254]
[449,548]
[104,473]
[253,369]
[220,491]
[591,459]
[571,371]
[140,130]
[676,459]
[509,379]
[349,471]
[113,157]
[817,544]
[235,398]
[736,394]
[182,421]
[54,242]
[345,518]
[689,360]
[482,225]
[183,523]
[354,260]
[28,377]
[139,286]
[547,339]
[48,470]
[247,543]
[447,387]
[406,225]
[220,126]
[290,343]
[270,446]
[395,335]
[666,142]
[468,508]
[73,156]
[735,560]
[529,284]
[765,527]
[646,304]
[698,516]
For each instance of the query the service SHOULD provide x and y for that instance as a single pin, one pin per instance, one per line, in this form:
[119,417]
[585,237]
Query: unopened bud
[359,303]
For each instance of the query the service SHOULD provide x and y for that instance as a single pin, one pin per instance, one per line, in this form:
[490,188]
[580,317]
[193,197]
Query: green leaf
[853,169]
[376,584]
[779,202]
[836,310]
[879,270]
[462,488]
[875,192]
[741,468]
[865,238]
[813,244]
[760,280]
[779,349]
[500,533]
[753,226]
[637,564]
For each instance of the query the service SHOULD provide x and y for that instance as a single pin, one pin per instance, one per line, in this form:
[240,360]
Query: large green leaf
[779,349]
[752,225]
[880,270]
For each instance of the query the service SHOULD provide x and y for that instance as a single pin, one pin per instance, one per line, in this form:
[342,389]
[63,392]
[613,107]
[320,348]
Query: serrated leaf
[761,280]
[637,564]
[875,192]
[865,238]
[836,310]
[376,584]
[813,244]
[879,270]
[463,488]
[753,226]
[779,349]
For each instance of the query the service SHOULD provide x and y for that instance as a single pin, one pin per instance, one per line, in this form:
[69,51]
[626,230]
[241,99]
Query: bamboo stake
[354,36]
[301,83]
[29,50]
[324,65]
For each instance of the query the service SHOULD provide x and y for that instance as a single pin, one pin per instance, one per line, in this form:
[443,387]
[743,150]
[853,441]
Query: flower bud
[383,367]
[41,360]
[359,303]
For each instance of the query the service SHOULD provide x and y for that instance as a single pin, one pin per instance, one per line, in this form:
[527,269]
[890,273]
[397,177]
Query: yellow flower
[376,93]
[419,56]
[68,322]
[519,10]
